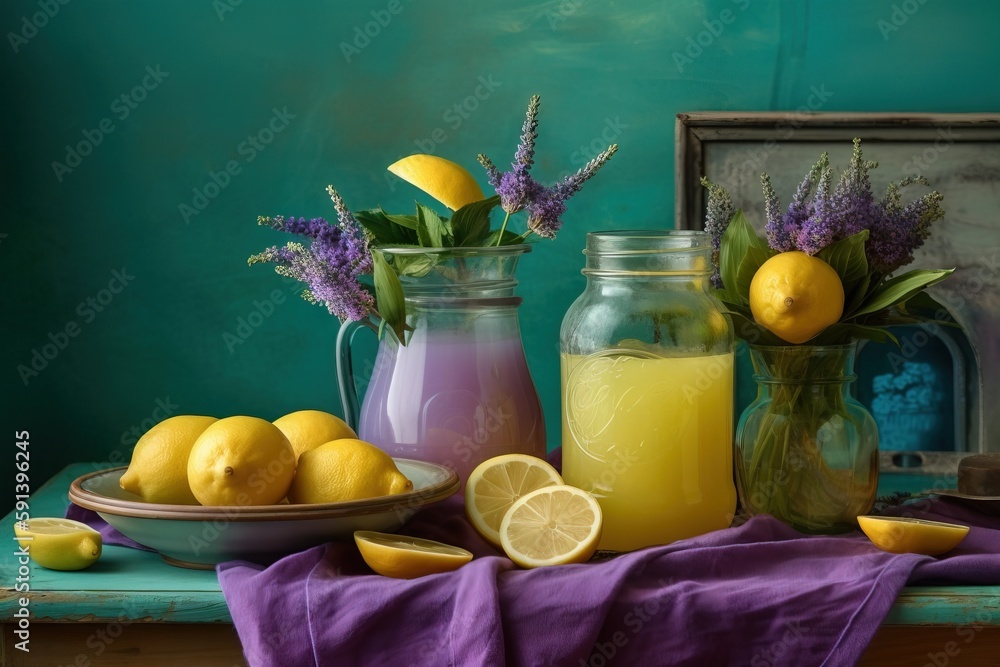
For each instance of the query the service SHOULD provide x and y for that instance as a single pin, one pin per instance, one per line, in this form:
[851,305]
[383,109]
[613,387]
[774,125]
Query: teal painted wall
[214,72]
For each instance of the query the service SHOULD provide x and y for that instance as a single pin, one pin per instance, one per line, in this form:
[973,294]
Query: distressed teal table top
[139,586]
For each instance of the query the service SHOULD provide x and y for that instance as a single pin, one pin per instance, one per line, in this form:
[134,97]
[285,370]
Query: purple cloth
[759,594]
[109,535]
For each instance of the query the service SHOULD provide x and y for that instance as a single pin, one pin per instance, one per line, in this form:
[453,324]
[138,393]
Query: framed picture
[933,396]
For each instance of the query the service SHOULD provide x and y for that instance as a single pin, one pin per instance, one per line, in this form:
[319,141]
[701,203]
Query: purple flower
[330,265]
[572,183]
[545,211]
[782,232]
[853,203]
[819,229]
[719,214]
[899,230]
[516,187]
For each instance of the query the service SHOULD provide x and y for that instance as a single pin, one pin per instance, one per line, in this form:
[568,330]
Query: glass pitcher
[459,392]
[647,387]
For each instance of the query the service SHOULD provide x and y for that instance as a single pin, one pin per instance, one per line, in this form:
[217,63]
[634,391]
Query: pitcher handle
[345,373]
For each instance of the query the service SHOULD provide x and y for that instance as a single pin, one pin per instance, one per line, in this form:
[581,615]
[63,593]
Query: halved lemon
[554,525]
[449,183]
[497,483]
[900,535]
[405,557]
[59,544]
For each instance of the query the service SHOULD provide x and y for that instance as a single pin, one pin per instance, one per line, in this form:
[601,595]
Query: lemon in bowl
[158,471]
[241,461]
[344,470]
[308,429]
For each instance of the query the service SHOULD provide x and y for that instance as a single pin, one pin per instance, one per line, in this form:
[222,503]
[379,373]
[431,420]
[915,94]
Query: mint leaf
[509,238]
[739,236]
[389,297]
[384,229]
[847,257]
[471,223]
[897,290]
[432,231]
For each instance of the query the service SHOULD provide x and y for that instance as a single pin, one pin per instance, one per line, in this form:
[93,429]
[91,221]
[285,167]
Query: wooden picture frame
[960,156]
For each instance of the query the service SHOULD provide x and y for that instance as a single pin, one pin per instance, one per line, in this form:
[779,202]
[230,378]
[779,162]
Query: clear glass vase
[806,450]
[459,392]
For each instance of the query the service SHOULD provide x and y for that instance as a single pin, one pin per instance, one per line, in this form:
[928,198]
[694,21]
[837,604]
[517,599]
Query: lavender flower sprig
[519,191]
[864,239]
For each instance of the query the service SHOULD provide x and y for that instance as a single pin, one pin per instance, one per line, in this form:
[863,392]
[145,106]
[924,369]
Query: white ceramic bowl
[197,536]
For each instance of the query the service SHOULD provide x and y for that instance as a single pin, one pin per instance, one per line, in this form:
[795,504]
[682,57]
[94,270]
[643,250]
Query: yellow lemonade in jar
[651,438]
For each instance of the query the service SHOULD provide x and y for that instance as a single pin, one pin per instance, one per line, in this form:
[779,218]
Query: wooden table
[131,609]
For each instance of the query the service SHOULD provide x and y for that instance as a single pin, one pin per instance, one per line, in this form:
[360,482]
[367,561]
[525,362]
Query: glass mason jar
[807,451]
[459,392]
[647,389]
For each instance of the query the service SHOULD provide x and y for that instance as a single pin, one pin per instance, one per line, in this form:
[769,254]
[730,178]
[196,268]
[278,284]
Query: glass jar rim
[460,251]
[646,241]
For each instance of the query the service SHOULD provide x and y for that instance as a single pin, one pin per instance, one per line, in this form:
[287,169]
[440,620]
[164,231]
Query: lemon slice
[59,544]
[405,557]
[497,483]
[901,535]
[449,183]
[554,525]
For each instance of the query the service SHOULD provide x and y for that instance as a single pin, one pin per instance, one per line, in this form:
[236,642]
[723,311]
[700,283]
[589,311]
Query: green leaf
[471,223]
[432,231]
[752,261]
[752,332]
[922,305]
[416,266]
[847,257]
[389,296]
[854,298]
[739,236]
[408,221]
[384,229]
[509,238]
[897,290]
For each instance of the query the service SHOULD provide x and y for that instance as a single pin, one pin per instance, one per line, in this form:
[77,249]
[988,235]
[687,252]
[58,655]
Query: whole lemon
[308,429]
[346,470]
[157,472]
[795,296]
[241,461]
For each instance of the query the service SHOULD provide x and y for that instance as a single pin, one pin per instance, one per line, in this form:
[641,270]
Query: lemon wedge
[554,525]
[901,535]
[497,483]
[59,544]
[405,557]
[449,183]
